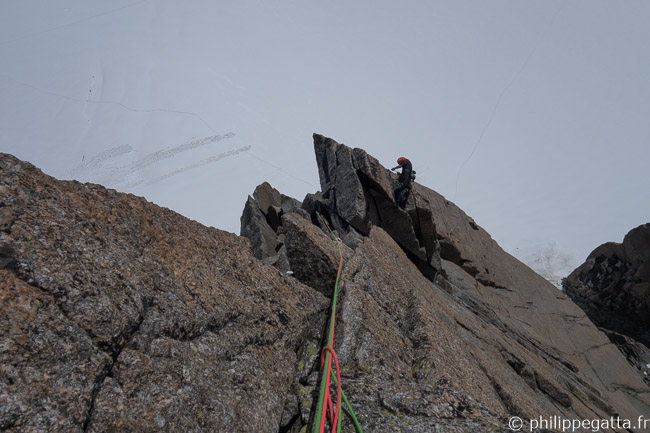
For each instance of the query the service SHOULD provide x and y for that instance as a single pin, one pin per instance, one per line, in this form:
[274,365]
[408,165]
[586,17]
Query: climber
[402,190]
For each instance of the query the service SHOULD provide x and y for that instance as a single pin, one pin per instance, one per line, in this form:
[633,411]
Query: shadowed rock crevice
[288,426]
[112,349]
[506,399]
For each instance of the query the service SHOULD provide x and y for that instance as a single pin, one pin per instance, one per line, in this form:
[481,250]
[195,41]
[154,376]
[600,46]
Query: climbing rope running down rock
[327,355]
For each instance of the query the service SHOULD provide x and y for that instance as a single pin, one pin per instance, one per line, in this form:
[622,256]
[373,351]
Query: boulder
[313,256]
[256,228]
[613,285]
[261,223]
[266,196]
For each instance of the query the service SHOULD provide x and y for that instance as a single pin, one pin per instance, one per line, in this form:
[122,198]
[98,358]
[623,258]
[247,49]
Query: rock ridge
[120,315]
[469,326]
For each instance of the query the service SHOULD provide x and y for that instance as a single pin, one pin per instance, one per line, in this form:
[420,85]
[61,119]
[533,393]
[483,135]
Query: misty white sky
[532,116]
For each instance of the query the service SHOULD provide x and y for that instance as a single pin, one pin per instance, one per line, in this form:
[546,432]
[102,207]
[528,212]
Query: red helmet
[401,160]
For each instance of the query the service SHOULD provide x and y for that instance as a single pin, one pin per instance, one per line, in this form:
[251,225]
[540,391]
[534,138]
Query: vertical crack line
[107,371]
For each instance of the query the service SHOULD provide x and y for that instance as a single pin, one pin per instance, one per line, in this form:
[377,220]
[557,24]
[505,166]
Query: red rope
[328,397]
[334,415]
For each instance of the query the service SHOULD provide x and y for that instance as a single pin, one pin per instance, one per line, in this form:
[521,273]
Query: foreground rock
[119,315]
[613,288]
[439,328]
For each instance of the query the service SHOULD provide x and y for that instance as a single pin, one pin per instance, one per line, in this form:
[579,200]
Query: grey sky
[531,116]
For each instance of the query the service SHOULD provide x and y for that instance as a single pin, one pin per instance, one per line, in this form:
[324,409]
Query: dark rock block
[290,204]
[348,234]
[399,225]
[350,199]
[273,214]
[321,212]
[325,149]
[362,195]
[613,285]
[312,255]
[373,173]
[255,227]
[266,196]
[316,203]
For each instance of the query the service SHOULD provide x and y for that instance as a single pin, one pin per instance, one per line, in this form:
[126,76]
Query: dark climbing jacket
[402,189]
[405,176]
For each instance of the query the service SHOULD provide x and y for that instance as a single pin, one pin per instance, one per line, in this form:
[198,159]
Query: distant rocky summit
[613,288]
[119,315]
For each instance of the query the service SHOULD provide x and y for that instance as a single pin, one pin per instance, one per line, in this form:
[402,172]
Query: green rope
[328,356]
[350,412]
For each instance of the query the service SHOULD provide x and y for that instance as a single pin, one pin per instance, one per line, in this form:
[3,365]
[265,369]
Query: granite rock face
[440,329]
[359,192]
[613,285]
[119,315]
[613,288]
[637,354]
